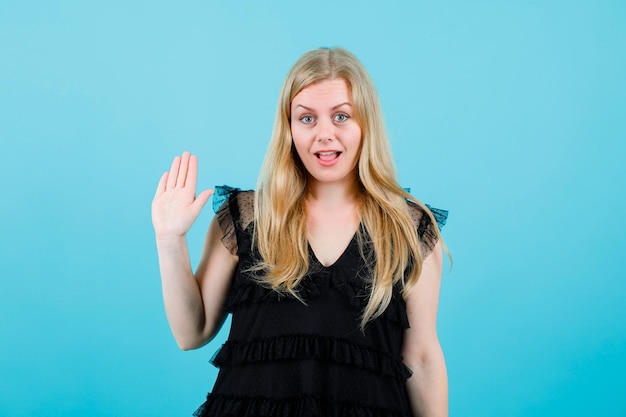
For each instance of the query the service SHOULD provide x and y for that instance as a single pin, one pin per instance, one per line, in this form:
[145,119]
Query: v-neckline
[341,256]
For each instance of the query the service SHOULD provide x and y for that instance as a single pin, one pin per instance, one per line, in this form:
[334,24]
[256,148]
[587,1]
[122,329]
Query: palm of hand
[175,206]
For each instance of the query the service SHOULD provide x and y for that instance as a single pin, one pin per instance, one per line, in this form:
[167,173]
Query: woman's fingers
[175,206]
[182,174]
[192,173]
[162,182]
[173,175]
[182,171]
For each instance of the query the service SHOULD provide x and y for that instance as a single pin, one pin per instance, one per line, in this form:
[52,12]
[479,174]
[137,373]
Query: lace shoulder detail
[234,210]
[425,229]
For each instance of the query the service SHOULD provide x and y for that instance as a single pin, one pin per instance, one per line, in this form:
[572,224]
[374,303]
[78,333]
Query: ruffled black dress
[284,358]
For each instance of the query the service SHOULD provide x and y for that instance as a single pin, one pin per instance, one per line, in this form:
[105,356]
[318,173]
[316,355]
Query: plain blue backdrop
[510,114]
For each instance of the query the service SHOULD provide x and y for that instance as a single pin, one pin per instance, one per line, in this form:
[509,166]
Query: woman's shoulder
[234,211]
[240,203]
[226,193]
[422,215]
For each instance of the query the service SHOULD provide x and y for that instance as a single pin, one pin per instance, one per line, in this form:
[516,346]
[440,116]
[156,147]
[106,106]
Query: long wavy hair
[280,215]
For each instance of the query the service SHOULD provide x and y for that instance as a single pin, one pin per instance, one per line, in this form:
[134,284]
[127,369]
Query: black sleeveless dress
[286,358]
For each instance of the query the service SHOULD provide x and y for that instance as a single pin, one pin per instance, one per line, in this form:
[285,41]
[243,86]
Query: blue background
[508,113]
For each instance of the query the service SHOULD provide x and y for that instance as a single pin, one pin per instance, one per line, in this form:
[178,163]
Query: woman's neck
[336,194]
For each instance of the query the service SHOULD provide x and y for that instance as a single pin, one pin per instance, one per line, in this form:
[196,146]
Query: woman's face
[325,132]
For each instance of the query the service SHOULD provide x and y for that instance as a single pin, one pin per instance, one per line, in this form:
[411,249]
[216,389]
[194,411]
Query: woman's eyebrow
[333,108]
[342,104]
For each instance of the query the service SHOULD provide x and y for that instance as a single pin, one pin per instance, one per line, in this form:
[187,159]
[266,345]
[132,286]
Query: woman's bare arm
[193,303]
[428,386]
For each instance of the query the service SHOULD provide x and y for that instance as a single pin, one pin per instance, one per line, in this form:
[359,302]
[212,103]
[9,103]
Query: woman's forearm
[428,386]
[181,293]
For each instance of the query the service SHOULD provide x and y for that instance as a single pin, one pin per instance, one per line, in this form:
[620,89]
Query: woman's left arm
[428,386]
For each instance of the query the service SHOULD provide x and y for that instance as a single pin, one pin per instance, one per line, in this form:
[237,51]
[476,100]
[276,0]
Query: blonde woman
[331,271]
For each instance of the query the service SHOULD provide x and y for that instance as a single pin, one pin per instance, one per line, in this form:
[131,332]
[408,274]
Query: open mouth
[327,156]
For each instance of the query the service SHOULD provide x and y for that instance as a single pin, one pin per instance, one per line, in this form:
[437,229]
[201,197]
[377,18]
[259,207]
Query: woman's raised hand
[175,206]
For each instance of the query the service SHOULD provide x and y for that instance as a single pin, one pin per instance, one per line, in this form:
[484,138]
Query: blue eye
[307,119]
[341,117]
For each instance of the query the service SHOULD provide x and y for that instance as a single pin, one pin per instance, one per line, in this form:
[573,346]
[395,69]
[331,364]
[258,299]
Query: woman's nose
[325,131]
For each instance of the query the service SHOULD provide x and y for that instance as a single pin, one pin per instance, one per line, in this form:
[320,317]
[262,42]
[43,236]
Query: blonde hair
[280,216]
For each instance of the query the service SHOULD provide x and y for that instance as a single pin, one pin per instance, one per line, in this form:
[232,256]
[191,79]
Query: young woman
[331,271]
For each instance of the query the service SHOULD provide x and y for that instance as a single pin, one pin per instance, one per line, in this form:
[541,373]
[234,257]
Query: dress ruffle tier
[308,346]
[305,406]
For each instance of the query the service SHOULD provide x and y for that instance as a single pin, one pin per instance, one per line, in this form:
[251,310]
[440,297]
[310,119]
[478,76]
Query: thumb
[202,198]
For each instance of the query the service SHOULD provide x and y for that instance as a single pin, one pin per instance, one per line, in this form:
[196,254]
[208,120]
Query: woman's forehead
[335,91]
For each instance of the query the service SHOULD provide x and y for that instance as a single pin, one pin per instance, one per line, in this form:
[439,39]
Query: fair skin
[327,138]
